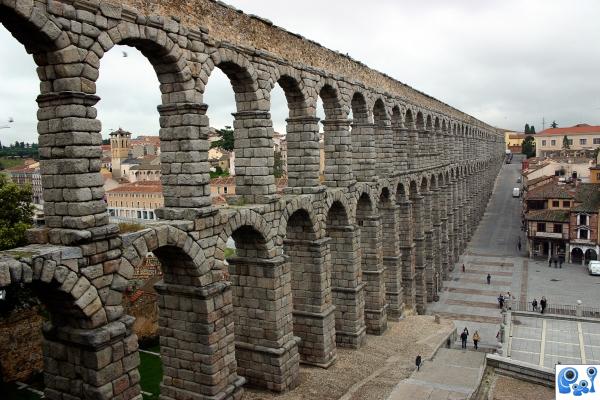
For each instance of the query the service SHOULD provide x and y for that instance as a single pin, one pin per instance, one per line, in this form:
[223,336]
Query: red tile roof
[139,187]
[580,129]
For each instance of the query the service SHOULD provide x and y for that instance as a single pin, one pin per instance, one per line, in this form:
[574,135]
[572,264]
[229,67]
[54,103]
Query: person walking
[560,261]
[555,262]
[508,300]
[501,301]
[418,362]
[463,338]
[543,303]
[463,267]
[534,304]
[519,245]
[550,262]
[476,339]
[489,279]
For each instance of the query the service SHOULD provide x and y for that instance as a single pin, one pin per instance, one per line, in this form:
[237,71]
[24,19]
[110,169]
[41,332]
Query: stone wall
[21,345]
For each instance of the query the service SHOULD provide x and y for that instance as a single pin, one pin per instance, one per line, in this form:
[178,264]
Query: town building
[566,167]
[28,174]
[145,168]
[514,141]
[581,139]
[561,220]
[127,153]
[135,201]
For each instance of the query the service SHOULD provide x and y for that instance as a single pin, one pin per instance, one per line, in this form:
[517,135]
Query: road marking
[581,344]
[543,344]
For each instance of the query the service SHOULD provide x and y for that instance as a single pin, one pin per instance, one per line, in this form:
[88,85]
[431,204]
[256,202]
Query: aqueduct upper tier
[329,261]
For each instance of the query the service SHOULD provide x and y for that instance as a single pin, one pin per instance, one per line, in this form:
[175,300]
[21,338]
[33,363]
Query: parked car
[516,192]
[594,267]
[519,180]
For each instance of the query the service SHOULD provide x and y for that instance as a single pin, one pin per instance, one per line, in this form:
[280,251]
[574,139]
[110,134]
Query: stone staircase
[451,374]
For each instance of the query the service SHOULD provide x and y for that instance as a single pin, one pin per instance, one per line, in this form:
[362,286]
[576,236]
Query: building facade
[581,139]
[135,201]
[29,174]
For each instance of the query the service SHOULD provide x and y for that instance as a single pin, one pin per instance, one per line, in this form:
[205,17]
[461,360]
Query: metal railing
[559,309]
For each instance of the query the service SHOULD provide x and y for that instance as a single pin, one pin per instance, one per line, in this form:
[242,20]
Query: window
[582,141]
[570,141]
[553,142]
[225,189]
[583,234]
[139,215]
[566,203]
[583,219]
[541,227]
[543,142]
[558,228]
[596,140]
[555,203]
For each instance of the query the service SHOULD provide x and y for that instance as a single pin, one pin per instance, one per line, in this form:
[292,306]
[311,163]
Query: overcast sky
[506,62]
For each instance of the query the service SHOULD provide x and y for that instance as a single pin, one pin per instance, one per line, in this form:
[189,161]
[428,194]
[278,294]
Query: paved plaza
[547,341]
[470,302]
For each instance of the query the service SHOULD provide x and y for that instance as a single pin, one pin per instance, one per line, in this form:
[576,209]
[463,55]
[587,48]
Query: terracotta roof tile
[548,215]
[581,129]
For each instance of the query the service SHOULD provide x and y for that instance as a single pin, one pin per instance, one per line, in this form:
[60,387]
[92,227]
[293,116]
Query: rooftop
[139,187]
[548,215]
[579,129]
[551,190]
[587,198]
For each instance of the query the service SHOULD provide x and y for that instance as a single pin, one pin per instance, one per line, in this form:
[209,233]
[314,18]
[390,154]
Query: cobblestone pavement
[372,371]
[546,341]
[506,388]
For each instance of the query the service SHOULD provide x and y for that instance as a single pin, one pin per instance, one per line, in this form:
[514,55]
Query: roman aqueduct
[323,265]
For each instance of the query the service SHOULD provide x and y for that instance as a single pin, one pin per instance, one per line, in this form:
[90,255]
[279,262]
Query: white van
[516,192]
[594,267]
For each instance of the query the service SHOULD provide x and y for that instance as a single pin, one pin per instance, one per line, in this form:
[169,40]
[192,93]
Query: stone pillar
[429,244]
[363,152]
[413,147]
[99,363]
[69,140]
[445,259]
[347,286]
[384,148]
[437,242]
[399,144]
[314,318]
[373,275]
[254,180]
[407,252]
[419,239]
[184,159]
[458,221]
[451,215]
[303,154]
[465,213]
[392,261]
[196,336]
[424,149]
[265,346]
[338,153]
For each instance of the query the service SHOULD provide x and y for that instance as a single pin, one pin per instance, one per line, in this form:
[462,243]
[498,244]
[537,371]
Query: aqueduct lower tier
[325,264]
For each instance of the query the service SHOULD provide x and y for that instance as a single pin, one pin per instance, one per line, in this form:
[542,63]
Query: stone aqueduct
[320,266]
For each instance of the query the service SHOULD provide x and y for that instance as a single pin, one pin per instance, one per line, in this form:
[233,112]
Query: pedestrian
[418,362]
[534,304]
[519,245]
[508,300]
[501,301]
[489,279]
[560,261]
[555,262]
[543,304]
[475,339]
[550,262]
[463,338]
[463,267]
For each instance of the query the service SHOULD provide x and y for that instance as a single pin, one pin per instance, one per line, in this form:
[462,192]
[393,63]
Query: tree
[526,129]
[554,124]
[278,165]
[528,146]
[16,212]
[227,141]
[532,130]
[566,144]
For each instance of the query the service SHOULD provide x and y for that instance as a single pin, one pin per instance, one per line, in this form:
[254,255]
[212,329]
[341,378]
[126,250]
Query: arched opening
[412,140]
[391,255]
[399,141]
[363,142]
[265,346]
[383,139]
[335,139]
[590,254]
[418,222]
[346,278]
[577,255]
[372,265]
[311,290]
[250,136]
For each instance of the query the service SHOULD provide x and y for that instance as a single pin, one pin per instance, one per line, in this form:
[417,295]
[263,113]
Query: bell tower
[119,150]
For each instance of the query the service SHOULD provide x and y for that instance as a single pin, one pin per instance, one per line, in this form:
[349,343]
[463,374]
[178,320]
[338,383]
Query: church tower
[119,150]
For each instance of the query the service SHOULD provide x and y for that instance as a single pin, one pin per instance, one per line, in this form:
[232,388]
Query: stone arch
[290,81]
[429,122]
[294,205]
[409,121]
[255,222]
[401,192]
[340,197]
[364,189]
[327,89]
[380,113]
[360,110]
[420,121]
[242,76]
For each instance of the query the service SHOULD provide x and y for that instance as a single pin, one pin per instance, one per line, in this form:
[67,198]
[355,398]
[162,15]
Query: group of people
[558,262]
[542,305]
[505,300]
[464,336]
